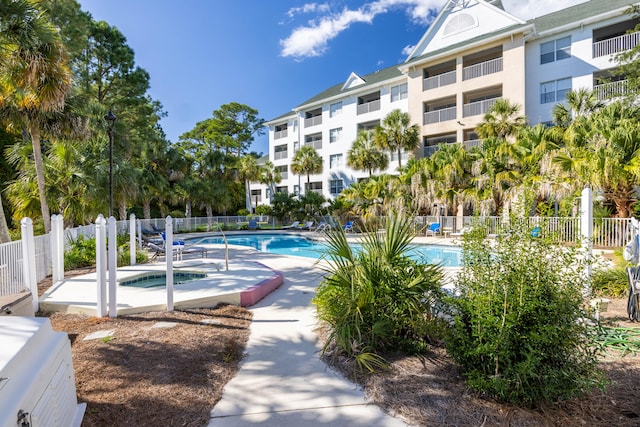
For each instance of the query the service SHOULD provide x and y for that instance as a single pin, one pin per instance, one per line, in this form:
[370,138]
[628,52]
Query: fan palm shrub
[377,298]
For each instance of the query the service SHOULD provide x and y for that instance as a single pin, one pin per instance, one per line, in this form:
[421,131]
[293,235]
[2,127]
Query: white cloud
[308,8]
[312,38]
[407,49]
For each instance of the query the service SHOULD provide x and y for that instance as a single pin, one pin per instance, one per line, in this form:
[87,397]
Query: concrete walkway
[282,381]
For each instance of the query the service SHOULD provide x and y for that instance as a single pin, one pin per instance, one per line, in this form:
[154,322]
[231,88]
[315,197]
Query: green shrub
[82,253]
[520,328]
[378,298]
[610,282]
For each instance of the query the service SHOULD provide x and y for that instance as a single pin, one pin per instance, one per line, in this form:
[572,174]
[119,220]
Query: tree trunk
[123,211]
[34,131]
[247,199]
[4,229]
[399,159]
[187,209]
[146,209]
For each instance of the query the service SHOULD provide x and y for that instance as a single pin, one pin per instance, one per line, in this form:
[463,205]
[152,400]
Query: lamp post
[111,121]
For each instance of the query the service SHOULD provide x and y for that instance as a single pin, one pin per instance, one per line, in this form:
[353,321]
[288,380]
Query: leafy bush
[82,253]
[378,298]
[520,328]
[611,282]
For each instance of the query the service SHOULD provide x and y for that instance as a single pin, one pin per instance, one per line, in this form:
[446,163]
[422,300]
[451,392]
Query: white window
[336,186]
[555,50]
[335,135]
[399,92]
[335,109]
[336,161]
[554,91]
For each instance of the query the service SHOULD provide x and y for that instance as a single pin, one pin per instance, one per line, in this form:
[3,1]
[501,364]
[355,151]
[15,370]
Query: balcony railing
[482,69]
[429,150]
[443,79]
[441,115]
[369,107]
[610,90]
[477,108]
[312,121]
[280,134]
[280,155]
[470,143]
[616,44]
[284,175]
[317,144]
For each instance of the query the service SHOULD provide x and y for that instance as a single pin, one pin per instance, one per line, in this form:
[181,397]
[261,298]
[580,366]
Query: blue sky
[269,54]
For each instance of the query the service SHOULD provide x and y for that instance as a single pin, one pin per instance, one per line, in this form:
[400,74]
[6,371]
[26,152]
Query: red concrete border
[258,291]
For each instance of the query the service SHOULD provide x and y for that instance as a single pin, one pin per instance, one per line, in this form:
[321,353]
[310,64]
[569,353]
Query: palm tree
[365,155]
[306,161]
[270,175]
[397,134]
[501,121]
[36,79]
[249,170]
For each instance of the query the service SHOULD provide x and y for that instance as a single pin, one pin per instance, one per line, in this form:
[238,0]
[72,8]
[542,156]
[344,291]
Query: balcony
[441,115]
[312,121]
[315,143]
[479,107]
[429,150]
[280,134]
[482,69]
[439,80]
[615,44]
[470,143]
[610,90]
[368,107]
[278,155]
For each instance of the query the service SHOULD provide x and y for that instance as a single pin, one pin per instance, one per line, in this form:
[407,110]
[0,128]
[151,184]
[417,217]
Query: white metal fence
[607,233]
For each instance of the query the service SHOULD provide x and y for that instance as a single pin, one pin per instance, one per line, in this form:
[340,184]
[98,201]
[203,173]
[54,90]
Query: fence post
[586,233]
[168,256]
[101,266]
[132,239]
[57,248]
[29,260]
[113,264]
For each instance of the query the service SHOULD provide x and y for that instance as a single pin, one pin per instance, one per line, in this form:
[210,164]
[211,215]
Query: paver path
[282,382]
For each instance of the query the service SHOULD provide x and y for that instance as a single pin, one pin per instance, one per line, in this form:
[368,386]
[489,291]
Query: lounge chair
[294,224]
[307,226]
[178,251]
[433,230]
[348,227]
[323,226]
[253,224]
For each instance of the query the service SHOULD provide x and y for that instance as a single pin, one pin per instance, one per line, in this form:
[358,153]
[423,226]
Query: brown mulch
[154,376]
[174,376]
[430,391]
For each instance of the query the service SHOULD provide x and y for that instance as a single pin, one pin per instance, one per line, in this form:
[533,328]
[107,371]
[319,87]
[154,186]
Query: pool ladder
[226,246]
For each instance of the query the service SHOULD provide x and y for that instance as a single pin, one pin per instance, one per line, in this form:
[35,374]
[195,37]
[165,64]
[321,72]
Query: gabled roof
[353,81]
[504,32]
[370,81]
[461,20]
[575,14]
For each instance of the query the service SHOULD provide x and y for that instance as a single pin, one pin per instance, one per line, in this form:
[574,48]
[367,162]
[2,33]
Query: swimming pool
[286,244]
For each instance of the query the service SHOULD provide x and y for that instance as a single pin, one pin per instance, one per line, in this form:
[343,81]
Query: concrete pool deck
[244,284]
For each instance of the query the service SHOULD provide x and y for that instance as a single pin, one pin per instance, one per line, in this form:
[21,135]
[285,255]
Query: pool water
[151,280]
[286,244]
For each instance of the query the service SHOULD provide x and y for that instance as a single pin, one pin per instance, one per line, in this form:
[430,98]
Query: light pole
[111,121]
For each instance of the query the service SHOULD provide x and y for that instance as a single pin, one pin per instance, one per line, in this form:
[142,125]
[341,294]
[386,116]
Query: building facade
[473,54]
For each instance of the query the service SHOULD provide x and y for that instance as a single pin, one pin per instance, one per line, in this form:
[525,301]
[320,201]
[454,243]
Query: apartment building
[472,54]
[330,122]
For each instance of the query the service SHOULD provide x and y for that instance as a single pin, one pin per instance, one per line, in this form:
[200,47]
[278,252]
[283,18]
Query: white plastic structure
[37,383]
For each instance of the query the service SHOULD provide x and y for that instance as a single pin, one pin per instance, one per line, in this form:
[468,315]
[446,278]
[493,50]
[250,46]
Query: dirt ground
[173,376]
